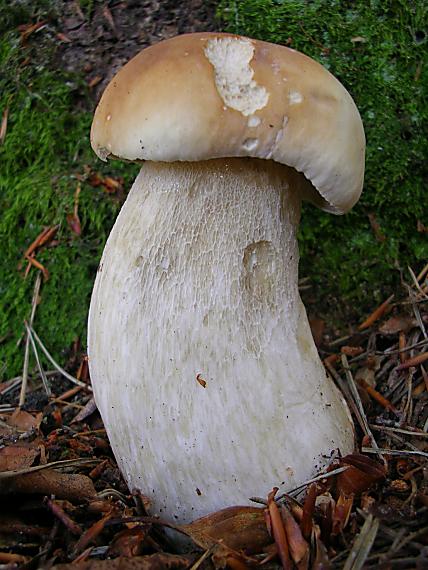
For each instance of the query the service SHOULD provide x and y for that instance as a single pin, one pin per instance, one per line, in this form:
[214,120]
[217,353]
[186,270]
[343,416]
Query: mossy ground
[378,49]
[45,148]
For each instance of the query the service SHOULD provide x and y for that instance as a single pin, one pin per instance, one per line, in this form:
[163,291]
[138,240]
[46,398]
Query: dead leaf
[240,528]
[325,505]
[395,325]
[129,542]
[341,513]
[299,548]
[362,473]
[14,457]
[24,421]
[74,487]
[78,446]
[157,561]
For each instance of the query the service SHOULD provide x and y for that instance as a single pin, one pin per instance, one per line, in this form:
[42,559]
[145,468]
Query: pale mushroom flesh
[202,360]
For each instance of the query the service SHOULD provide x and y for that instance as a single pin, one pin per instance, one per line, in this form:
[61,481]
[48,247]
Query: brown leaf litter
[65,505]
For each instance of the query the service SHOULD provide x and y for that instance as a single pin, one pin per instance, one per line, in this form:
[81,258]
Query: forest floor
[64,502]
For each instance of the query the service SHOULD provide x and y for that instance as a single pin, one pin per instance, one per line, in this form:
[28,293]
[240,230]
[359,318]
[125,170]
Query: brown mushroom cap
[211,95]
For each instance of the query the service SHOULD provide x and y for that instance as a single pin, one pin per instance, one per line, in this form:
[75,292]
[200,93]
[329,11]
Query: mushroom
[201,357]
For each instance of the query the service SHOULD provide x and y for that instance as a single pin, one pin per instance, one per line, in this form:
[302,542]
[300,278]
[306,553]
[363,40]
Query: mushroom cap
[210,95]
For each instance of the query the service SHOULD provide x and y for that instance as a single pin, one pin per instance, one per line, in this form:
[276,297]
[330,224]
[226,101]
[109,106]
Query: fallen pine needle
[416,282]
[357,399]
[362,544]
[56,365]
[62,516]
[69,393]
[204,556]
[422,273]
[396,452]
[37,264]
[46,235]
[399,430]
[53,465]
[346,393]
[65,403]
[91,534]
[34,303]
[402,346]
[314,480]
[377,314]
[299,489]
[39,366]
[384,402]
[415,361]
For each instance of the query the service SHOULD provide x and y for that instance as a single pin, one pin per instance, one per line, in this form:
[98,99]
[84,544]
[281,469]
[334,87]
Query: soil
[96,47]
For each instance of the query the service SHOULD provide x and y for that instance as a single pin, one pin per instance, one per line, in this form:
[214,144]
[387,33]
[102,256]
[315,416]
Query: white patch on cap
[294,97]
[231,58]
[250,144]
[254,121]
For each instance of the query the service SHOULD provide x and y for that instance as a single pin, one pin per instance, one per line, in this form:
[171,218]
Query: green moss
[46,146]
[378,50]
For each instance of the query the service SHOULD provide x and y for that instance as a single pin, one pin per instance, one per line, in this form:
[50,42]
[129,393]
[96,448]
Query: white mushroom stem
[211,387]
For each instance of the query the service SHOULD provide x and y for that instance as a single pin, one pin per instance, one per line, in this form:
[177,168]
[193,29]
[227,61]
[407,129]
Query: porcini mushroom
[201,357]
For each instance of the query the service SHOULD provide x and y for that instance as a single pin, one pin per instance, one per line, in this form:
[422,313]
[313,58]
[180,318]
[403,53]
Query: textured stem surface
[201,357]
